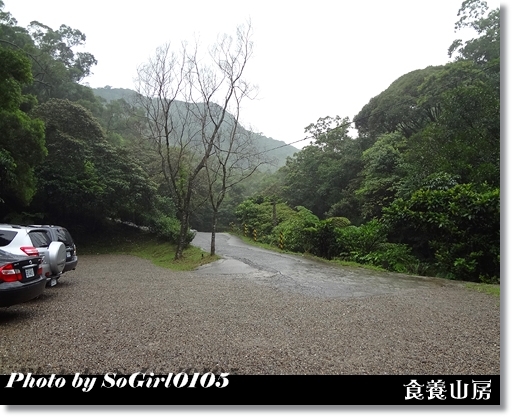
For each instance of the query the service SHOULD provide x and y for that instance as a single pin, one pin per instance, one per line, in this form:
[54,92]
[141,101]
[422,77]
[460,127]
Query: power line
[306,138]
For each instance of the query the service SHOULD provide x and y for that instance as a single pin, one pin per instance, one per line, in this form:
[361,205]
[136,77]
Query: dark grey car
[61,234]
[21,278]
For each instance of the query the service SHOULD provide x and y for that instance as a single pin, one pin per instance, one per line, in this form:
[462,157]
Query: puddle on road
[314,278]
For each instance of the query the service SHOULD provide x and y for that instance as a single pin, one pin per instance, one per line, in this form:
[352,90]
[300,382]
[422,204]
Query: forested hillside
[278,150]
[417,190]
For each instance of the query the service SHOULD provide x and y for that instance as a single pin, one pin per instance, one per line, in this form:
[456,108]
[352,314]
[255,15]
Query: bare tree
[187,100]
[235,158]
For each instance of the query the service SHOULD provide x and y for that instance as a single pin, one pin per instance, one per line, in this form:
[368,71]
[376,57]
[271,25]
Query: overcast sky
[312,58]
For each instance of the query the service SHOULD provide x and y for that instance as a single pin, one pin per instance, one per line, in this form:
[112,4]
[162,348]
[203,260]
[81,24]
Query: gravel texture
[123,314]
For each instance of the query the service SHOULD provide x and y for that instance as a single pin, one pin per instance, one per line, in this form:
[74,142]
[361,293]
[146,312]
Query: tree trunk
[274,214]
[214,229]
[183,234]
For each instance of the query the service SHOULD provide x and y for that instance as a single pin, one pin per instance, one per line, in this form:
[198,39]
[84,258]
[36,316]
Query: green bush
[393,257]
[325,237]
[165,227]
[459,227]
[360,240]
[367,244]
[258,214]
[299,231]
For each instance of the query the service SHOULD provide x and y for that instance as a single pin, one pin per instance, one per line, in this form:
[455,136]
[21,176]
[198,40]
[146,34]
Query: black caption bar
[225,389]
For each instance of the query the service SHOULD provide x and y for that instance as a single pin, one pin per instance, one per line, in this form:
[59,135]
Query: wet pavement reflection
[297,273]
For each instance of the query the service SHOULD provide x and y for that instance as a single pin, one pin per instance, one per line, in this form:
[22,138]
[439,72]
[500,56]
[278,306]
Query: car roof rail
[43,225]
[14,226]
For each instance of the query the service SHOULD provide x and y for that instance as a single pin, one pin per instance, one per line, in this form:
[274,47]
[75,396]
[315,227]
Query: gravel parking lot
[122,314]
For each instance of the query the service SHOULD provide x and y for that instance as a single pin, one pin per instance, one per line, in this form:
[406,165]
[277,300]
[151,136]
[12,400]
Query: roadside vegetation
[268,246]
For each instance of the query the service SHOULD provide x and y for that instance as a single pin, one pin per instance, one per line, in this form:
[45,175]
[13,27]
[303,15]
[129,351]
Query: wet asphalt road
[303,275]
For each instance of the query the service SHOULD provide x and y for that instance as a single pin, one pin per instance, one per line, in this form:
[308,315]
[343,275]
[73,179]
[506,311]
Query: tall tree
[186,100]
[485,48]
[88,179]
[320,174]
[234,159]
[464,138]
[396,108]
[382,173]
[22,144]
[57,68]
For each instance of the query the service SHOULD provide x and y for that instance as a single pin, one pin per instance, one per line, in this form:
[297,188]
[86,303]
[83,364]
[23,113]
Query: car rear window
[6,237]
[64,236]
[40,239]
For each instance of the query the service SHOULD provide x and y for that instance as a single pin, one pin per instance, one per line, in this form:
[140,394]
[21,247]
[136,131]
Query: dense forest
[416,191]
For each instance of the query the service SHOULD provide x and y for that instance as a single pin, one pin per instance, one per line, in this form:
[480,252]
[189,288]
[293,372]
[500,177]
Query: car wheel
[57,257]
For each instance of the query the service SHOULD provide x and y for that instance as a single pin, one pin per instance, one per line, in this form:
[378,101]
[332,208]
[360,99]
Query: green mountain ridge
[277,150]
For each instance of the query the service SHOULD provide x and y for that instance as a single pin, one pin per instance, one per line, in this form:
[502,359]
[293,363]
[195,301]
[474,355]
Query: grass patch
[492,289]
[126,240]
[353,264]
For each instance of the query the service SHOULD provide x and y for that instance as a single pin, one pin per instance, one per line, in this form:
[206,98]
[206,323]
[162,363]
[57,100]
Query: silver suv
[34,241]
[61,234]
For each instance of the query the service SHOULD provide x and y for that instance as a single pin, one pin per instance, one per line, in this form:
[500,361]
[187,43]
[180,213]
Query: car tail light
[30,250]
[9,274]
